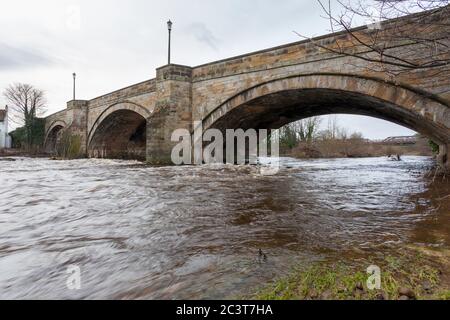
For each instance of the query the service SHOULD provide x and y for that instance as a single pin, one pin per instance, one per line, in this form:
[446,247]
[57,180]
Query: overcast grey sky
[111,44]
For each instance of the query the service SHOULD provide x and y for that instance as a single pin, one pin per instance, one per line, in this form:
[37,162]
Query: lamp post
[74,78]
[169,27]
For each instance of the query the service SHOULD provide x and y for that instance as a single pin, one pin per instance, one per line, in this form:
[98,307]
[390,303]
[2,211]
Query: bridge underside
[122,135]
[273,111]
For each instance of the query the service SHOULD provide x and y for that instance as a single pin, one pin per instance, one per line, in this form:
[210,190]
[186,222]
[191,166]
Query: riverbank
[10,153]
[407,274]
[356,148]
[417,269]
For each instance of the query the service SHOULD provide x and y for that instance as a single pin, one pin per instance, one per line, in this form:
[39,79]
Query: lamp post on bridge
[169,27]
[74,78]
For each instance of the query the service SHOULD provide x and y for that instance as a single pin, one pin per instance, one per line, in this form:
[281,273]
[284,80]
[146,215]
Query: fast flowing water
[143,232]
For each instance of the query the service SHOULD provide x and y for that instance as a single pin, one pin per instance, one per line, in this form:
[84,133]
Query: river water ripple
[140,232]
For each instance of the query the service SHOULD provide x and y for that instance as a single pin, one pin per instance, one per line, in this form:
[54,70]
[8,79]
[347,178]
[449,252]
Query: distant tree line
[31,137]
[309,139]
[309,131]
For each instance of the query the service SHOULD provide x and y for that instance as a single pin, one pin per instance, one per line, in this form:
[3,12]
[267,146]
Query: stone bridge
[261,90]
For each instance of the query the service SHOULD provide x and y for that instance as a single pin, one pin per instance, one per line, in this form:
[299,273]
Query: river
[141,232]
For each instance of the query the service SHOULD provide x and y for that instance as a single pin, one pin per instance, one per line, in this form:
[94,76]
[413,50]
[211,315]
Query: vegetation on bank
[304,139]
[68,146]
[30,138]
[407,275]
[356,148]
[434,147]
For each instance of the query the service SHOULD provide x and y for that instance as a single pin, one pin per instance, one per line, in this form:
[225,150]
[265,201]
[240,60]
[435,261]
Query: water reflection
[195,232]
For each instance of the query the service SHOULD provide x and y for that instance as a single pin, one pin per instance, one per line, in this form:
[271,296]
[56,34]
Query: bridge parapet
[226,78]
[145,87]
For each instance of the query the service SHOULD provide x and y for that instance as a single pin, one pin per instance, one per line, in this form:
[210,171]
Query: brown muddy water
[140,232]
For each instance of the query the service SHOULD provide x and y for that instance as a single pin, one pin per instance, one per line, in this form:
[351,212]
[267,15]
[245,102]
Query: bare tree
[356,136]
[424,35]
[300,131]
[308,128]
[332,132]
[26,104]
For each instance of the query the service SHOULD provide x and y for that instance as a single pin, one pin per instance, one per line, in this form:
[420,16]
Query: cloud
[18,58]
[204,35]
[112,44]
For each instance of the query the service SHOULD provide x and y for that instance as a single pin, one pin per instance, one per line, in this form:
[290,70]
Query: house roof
[2,115]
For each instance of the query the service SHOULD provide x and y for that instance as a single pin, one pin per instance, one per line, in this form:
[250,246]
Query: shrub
[69,146]
[20,136]
[434,146]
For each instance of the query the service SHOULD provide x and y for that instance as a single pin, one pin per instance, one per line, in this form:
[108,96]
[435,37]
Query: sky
[112,44]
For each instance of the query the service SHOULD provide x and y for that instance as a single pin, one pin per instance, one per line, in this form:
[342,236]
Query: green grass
[348,281]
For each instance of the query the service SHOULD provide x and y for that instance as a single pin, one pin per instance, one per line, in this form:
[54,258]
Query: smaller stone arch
[124,105]
[120,132]
[53,133]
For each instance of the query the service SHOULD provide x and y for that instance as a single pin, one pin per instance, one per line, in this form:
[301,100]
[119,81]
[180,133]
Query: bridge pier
[173,110]
[77,113]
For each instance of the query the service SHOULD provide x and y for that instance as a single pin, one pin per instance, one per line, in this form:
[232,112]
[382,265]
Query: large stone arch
[119,132]
[52,133]
[277,102]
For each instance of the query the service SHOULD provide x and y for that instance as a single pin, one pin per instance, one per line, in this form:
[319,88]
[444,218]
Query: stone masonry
[265,89]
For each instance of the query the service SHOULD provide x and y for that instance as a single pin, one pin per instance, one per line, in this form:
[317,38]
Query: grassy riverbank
[412,273]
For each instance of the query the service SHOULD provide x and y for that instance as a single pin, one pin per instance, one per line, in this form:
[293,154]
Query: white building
[5,139]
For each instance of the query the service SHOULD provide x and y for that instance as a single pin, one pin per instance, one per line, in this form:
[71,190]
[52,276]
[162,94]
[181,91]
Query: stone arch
[124,105]
[275,103]
[52,134]
[119,132]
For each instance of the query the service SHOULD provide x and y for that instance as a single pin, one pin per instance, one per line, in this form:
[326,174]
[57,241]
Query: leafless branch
[424,35]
